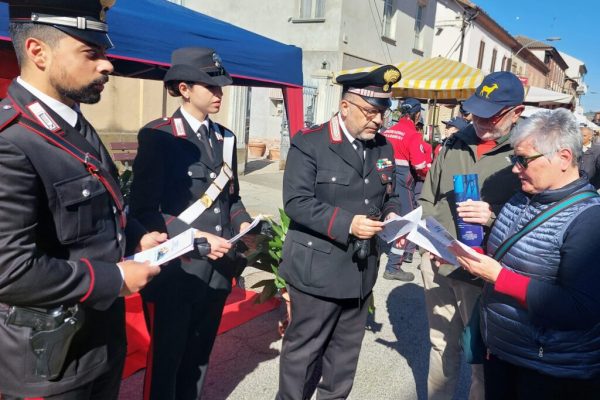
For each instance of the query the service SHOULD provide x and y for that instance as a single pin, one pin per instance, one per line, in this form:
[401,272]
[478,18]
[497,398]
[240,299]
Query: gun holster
[51,334]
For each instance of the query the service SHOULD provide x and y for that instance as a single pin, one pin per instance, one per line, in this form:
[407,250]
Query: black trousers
[321,327]
[183,328]
[506,381]
[105,387]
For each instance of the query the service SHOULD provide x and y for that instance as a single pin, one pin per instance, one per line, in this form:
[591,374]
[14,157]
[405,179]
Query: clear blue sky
[576,22]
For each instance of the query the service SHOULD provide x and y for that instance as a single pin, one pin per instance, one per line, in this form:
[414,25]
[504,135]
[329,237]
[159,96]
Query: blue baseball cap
[410,106]
[497,91]
[457,122]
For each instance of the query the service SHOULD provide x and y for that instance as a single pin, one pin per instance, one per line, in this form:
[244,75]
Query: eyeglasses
[523,161]
[494,119]
[371,113]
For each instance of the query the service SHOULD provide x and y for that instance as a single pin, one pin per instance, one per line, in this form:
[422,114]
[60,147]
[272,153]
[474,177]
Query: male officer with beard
[336,175]
[62,225]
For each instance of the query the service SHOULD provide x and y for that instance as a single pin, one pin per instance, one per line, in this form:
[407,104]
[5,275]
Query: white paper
[393,228]
[428,234]
[165,252]
[248,229]
[433,237]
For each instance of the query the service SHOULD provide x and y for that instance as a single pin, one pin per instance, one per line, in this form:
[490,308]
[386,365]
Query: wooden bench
[124,152]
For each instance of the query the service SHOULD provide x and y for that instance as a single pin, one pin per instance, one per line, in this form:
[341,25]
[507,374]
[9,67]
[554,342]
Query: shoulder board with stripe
[335,132]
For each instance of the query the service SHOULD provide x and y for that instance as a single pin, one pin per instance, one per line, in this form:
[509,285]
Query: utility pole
[467,17]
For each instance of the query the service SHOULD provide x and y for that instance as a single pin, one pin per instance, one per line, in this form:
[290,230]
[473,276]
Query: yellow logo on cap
[106,4]
[487,90]
[390,77]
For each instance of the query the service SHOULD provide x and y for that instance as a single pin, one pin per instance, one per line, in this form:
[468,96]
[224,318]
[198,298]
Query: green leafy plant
[125,179]
[266,255]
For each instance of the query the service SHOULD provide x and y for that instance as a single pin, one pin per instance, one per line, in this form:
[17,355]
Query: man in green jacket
[481,148]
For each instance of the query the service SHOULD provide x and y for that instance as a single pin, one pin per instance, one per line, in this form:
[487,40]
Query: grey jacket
[459,156]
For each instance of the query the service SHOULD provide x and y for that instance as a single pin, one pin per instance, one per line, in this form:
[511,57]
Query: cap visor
[187,73]
[377,102]
[94,37]
[481,108]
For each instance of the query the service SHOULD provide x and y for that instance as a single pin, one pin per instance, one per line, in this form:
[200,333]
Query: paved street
[394,357]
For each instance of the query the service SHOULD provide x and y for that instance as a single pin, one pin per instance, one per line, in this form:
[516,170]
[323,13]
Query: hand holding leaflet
[255,222]
[167,251]
[427,234]
[394,228]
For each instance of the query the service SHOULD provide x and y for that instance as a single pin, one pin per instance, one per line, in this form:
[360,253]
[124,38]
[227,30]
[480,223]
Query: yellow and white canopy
[435,78]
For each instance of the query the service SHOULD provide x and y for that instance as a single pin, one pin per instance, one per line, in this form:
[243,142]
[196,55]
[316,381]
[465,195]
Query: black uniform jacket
[60,240]
[324,187]
[169,174]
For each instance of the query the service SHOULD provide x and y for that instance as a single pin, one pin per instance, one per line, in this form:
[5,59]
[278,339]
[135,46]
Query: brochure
[165,252]
[255,222]
[428,234]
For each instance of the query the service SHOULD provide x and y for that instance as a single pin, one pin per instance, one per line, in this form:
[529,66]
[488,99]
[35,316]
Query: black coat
[590,163]
[170,173]
[60,240]
[324,187]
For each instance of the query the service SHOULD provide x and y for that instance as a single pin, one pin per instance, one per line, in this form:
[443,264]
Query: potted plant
[266,254]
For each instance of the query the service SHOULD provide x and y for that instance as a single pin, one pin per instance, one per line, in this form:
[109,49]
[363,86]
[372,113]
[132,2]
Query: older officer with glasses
[481,148]
[336,175]
[541,303]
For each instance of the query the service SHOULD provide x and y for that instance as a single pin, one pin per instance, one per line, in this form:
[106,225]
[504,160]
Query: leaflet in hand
[255,222]
[394,228]
[165,252]
[428,234]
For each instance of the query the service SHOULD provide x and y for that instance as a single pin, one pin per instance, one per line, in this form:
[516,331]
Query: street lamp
[549,39]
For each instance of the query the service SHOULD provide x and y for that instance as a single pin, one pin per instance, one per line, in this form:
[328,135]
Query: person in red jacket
[412,162]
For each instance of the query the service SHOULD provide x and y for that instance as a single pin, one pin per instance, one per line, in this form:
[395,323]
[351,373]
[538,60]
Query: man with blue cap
[483,149]
[63,226]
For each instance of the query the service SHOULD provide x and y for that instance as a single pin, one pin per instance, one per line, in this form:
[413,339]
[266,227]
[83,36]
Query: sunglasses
[523,161]
[371,113]
[494,119]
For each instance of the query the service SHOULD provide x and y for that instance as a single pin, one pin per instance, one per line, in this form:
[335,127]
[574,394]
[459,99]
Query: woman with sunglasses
[541,301]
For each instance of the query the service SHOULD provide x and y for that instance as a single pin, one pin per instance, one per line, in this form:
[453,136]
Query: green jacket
[497,183]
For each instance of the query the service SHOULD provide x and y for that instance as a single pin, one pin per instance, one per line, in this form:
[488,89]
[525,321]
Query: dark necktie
[204,138]
[360,149]
[88,133]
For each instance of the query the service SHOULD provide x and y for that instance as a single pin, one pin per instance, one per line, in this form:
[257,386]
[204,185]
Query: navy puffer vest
[506,326]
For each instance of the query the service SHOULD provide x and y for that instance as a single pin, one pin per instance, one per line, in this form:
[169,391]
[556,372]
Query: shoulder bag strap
[540,219]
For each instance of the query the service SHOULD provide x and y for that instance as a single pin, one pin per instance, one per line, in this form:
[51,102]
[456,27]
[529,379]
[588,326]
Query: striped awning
[433,78]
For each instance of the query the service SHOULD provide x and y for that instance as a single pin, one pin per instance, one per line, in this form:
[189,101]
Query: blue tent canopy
[145,32]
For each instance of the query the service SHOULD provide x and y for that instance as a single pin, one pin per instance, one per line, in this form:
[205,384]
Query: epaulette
[8,115]
[157,123]
[220,131]
[310,129]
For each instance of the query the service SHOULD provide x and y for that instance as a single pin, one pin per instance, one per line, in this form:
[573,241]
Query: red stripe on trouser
[148,375]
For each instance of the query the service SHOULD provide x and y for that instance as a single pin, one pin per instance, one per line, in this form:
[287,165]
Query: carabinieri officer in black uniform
[62,226]
[185,175]
[336,174]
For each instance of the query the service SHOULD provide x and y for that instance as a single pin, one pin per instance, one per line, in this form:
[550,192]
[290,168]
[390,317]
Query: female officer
[185,175]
